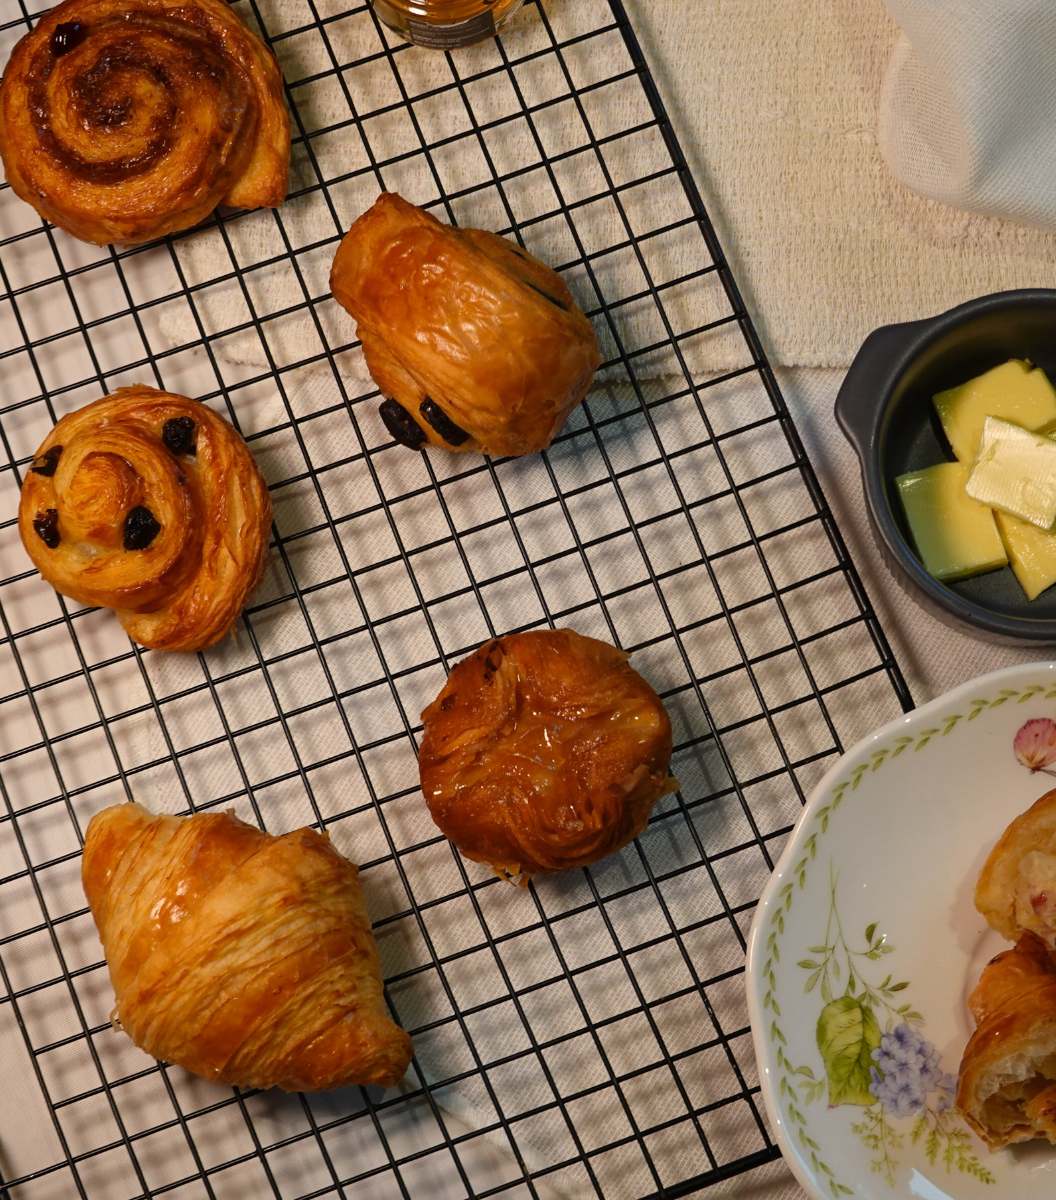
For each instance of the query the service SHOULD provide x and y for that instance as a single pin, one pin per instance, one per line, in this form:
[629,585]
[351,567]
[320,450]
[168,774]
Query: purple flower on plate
[1035,744]
[907,1068]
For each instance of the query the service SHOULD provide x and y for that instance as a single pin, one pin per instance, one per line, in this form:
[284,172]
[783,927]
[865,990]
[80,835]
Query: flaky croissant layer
[246,958]
[122,121]
[151,504]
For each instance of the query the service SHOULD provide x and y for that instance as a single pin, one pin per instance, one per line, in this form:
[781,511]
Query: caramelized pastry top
[246,958]
[477,345]
[122,120]
[544,751]
[149,503]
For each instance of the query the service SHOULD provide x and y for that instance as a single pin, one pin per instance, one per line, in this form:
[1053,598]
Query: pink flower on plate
[1035,744]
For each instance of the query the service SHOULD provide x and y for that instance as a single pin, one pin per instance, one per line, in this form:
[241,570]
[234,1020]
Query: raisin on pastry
[474,344]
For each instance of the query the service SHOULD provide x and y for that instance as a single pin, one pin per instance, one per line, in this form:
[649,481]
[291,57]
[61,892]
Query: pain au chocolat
[151,504]
[474,344]
[122,121]
[544,751]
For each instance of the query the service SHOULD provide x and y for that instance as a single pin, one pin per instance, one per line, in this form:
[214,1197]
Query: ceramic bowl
[866,944]
[884,407]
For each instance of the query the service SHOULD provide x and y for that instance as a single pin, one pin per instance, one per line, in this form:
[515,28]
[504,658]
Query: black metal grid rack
[586,1036]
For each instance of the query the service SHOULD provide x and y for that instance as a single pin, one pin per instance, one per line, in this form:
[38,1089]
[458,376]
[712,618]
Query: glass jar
[446,24]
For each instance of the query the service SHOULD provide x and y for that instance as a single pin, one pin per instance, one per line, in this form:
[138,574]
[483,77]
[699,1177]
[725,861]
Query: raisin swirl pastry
[544,751]
[123,120]
[150,504]
[475,344]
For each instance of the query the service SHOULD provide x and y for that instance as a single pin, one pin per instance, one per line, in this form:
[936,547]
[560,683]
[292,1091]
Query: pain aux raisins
[180,435]
[141,528]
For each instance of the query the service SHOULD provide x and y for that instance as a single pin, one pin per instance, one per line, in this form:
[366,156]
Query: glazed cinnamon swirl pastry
[544,751]
[123,120]
[150,504]
[474,344]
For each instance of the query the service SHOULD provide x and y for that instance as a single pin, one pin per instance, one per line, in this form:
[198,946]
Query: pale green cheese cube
[1015,471]
[954,535]
[1012,391]
[1031,554]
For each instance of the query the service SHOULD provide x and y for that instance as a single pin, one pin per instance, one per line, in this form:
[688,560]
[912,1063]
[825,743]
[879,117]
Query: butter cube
[955,536]
[1015,471]
[1031,554]
[1012,391]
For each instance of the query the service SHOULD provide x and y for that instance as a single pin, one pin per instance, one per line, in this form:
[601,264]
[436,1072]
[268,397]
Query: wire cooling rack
[586,1036]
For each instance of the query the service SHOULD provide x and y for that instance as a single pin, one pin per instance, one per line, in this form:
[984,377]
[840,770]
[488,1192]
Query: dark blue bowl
[884,407]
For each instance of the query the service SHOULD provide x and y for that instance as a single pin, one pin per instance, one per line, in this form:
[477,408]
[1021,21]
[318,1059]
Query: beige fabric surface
[776,108]
[968,105]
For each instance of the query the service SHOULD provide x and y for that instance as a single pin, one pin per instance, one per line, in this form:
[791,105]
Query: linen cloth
[777,109]
[968,105]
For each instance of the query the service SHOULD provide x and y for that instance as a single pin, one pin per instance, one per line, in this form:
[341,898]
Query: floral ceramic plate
[866,944]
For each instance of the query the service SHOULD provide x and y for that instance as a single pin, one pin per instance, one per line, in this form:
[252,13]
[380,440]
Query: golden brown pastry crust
[123,120]
[185,588]
[246,958]
[544,751]
[468,320]
[1016,891]
[1007,1088]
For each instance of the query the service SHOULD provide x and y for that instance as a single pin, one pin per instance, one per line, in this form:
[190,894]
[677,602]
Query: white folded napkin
[968,105]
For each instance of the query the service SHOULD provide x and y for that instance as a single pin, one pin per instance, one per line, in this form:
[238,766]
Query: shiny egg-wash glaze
[476,345]
[544,751]
[122,121]
[246,958]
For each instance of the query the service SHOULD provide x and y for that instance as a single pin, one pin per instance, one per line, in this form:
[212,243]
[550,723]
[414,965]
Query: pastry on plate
[122,121]
[1016,891]
[544,751]
[246,958]
[150,504]
[1007,1088]
[474,344]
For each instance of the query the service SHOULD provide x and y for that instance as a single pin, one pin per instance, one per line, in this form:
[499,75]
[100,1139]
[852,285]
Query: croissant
[122,121]
[544,751]
[151,504]
[475,344]
[1016,890]
[246,958]
[1007,1088]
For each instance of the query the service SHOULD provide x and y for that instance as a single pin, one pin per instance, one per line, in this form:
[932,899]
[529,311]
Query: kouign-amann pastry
[1016,891]
[1007,1088]
[246,958]
[150,504]
[121,121]
[544,751]
[475,344]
